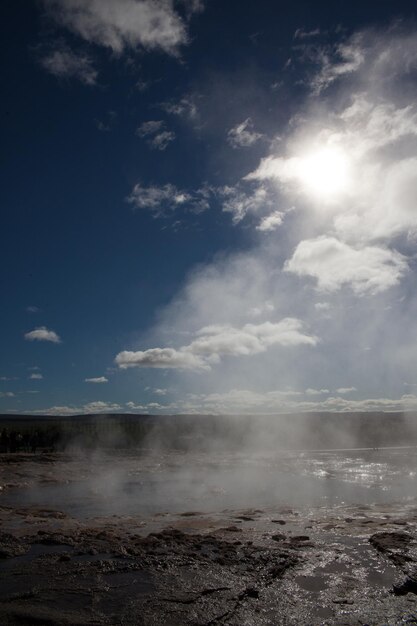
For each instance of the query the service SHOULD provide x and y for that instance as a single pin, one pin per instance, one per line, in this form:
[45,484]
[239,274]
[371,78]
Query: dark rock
[408,585]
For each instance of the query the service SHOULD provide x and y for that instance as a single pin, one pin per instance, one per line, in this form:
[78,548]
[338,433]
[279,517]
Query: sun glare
[324,172]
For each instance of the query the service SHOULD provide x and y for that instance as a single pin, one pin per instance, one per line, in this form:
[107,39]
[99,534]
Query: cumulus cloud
[64,63]
[242,135]
[215,342]
[121,25]
[160,358]
[43,334]
[98,380]
[333,263]
[135,407]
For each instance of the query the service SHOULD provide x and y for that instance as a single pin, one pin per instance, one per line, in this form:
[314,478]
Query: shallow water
[174,482]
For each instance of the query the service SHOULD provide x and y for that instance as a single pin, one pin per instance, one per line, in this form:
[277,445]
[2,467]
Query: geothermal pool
[147,484]
[166,538]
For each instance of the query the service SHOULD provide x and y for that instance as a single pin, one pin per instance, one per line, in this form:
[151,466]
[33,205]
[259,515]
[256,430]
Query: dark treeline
[205,432]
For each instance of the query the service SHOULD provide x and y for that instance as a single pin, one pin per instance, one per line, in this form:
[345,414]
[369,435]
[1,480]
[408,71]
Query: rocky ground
[352,565]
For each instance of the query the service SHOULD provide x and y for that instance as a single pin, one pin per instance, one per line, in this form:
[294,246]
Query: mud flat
[336,563]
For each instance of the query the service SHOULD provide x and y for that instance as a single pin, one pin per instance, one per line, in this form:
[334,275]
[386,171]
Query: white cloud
[361,237]
[98,380]
[7,378]
[136,407]
[36,377]
[63,63]
[271,222]
[261,309]
[193,6]
[242,135]
[316,392]
[214,342]
[89,408]
[151,24]
[248,401]
[368,55]
[344,390]
[43,334]
[32,309]
[149,128]
[158,137]
[162,140]
[160,358]
[350,57]
[333,263]
[165,200]
[239,201]
[6,394]
[300,33]
[185,107]
[350,170]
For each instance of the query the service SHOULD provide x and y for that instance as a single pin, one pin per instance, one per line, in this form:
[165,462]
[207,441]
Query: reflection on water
[175,482]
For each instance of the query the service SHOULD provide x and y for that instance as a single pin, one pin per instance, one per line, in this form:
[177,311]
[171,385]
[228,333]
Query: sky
[208,206]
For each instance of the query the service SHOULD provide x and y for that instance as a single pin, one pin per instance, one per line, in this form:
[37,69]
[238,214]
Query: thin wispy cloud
[122,25]
[243,135]
[157,136]
[167,199]
[65,64]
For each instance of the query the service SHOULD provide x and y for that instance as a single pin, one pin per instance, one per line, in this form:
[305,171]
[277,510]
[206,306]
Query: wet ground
[176,540]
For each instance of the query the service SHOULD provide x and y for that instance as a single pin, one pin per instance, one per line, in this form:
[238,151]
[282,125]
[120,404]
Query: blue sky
[208,206]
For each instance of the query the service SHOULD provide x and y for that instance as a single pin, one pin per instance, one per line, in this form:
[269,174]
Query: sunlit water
[175,482]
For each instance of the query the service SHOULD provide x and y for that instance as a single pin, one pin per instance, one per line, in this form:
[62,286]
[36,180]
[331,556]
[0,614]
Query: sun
[324,172]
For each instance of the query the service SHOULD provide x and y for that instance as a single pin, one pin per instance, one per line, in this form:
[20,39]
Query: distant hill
[202,432]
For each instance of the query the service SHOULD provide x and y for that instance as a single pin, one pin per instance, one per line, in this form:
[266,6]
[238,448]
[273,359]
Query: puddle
[36,550]
[198,483]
